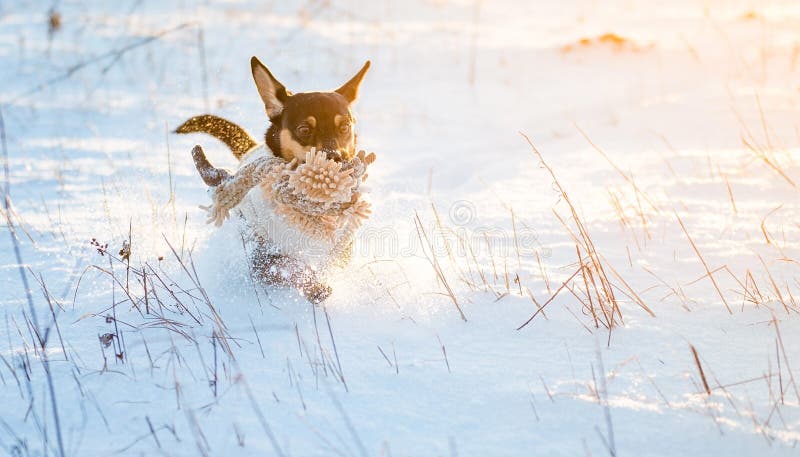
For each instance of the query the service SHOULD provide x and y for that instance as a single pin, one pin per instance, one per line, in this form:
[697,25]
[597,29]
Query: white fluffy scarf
[321,199]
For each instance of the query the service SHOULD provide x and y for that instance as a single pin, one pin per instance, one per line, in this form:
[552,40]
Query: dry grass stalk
[435,264]
[24,278]
[552,297]
[705,265]
[491,254]
[677,291]
[445,233]
[335,350]
[516,240]
[586,286]
[595,270]
[730,195]
[542,270]
[630,292]
[700,369]
[468,246]
[785,358]
[775,287]
[764,157]
[603,399]
[628,179]
[221,331]
[764,223]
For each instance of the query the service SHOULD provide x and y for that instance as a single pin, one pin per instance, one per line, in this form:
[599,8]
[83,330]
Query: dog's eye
[303,130]
[344,128]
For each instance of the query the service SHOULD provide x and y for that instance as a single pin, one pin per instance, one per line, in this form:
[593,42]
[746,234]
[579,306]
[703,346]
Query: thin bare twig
[114,54]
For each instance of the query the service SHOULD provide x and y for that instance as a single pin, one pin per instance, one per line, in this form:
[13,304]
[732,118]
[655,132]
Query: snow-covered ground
[672,128]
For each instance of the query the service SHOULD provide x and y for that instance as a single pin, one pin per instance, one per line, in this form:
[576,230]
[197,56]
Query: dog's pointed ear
[350,89]
[272,92]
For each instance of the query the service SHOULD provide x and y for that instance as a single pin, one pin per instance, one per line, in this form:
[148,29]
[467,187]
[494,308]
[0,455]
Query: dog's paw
[317,292]
[366,159]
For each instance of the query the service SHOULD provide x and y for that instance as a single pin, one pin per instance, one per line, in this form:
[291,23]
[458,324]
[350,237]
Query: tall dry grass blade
[435,264]
[624,175]
[595,267]
[552,297]
[730,195]
[764,223]
[705,265]
[335,350]
[770,163]
[774,285]
[785,358]
[24,278]
[603,395]
[700,369]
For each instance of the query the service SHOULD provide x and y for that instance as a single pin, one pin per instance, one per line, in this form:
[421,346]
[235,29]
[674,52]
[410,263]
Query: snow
[697,107]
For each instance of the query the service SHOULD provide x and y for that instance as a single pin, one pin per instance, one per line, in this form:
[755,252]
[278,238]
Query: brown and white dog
[283,255]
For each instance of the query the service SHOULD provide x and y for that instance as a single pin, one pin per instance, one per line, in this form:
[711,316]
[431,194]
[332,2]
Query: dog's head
[306,120]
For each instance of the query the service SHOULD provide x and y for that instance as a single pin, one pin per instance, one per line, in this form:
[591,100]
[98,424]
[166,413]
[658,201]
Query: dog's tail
[224,130]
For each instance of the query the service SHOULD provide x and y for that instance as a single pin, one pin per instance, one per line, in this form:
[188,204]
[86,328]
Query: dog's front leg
[282,270]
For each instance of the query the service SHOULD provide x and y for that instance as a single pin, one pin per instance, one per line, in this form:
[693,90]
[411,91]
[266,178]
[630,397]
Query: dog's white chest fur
[261,220]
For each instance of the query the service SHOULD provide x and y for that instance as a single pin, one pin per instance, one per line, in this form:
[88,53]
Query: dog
[283,256]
